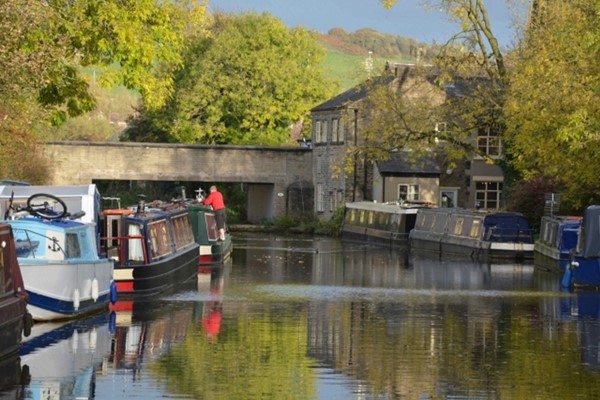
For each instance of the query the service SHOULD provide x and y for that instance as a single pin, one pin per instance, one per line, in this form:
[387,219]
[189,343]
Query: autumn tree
[248,83]
[45,45]
[553,107]
[463,88]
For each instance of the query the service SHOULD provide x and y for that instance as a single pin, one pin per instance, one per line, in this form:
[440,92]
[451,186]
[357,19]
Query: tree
[137,44]
[44,46]
[462,90]
[553,107]
[248,83]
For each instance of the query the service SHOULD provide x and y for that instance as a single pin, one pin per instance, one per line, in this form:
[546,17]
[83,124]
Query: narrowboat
[63,273]
[206,234]
[15,320]
[476,234]
[152,246]
[583,270]
[382,223]
[558,236]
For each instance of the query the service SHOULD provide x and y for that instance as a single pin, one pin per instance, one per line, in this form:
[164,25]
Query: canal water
[314,318]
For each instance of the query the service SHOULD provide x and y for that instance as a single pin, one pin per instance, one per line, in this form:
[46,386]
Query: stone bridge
[279,179]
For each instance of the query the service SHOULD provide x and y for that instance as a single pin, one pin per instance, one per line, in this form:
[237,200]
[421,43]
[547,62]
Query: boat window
[73,250]
[135,245]
[4,255]
[394,222]
[184,235]
[475,228]
[371,218]
[383,220]
[160,242]
[439,223]
[458,225]
[361,218]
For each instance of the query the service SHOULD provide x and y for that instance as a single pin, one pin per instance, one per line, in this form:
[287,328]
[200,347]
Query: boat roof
[389,207]
[469,211]
[62,224]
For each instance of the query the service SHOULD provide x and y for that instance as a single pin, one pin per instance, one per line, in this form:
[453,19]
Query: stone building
[337,127]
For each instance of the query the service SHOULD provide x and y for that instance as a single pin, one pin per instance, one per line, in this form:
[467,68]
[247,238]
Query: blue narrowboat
[583,270]
[484,235]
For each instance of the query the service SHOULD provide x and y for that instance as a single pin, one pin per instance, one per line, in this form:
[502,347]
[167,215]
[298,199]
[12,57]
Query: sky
[407,18]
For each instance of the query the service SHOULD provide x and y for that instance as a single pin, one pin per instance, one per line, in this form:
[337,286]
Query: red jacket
[214,199]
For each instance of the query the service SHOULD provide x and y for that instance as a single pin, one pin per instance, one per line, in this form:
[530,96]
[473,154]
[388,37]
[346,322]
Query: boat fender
[93,339]
[76,299]
[567,279]
[113,292]
[95,289]
[27,324]
[75,341]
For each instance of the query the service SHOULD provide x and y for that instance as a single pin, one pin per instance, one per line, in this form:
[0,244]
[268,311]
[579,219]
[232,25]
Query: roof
[354,94]
[399,164]
[460,86]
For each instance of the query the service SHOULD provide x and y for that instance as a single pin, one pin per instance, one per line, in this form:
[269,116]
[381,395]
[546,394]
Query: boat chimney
[141,203]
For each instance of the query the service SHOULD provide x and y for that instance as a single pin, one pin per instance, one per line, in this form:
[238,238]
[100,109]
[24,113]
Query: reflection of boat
[62,358]
[385,223]
[14,318]
[584,267]
[584,306]
[558,235]
[63,273]
[152,246]
[477,234]
[470,275]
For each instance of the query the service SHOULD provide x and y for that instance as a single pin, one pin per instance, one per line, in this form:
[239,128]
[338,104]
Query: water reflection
[314,318]
[61,358]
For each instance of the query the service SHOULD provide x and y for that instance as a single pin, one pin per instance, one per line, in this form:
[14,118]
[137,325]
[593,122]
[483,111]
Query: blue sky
[407,18]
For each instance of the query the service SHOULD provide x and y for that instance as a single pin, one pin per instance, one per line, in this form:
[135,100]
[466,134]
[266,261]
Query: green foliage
[246,84]
[553,111]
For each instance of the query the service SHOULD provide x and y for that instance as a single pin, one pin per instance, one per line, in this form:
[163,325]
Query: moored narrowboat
[381,223]
[583,270]
[152,246]
[476,234]
[558,236]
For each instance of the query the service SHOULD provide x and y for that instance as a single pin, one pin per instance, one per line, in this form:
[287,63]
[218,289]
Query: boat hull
[486,236]
[12,321]
[158,276]
[584,273]
[215,253]
[64,290]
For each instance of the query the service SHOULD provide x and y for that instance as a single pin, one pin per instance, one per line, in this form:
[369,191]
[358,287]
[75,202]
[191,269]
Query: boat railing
[119,252]
[505,235]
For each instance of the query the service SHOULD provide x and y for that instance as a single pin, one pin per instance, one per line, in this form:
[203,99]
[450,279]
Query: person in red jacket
[215,199]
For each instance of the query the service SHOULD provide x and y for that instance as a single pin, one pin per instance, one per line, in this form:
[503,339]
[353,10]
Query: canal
[314,318]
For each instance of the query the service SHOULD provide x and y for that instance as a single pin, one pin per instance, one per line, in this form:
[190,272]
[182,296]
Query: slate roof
[356,93]
[399,164]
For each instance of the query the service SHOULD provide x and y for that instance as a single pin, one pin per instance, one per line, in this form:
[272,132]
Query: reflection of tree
[258,357]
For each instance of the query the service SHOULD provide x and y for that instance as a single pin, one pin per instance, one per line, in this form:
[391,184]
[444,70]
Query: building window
[341,132]
[408,192]
[317,131]
[488,194]
[334,130]
[331,202]
[324,132]
[319,197]
[488,141]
